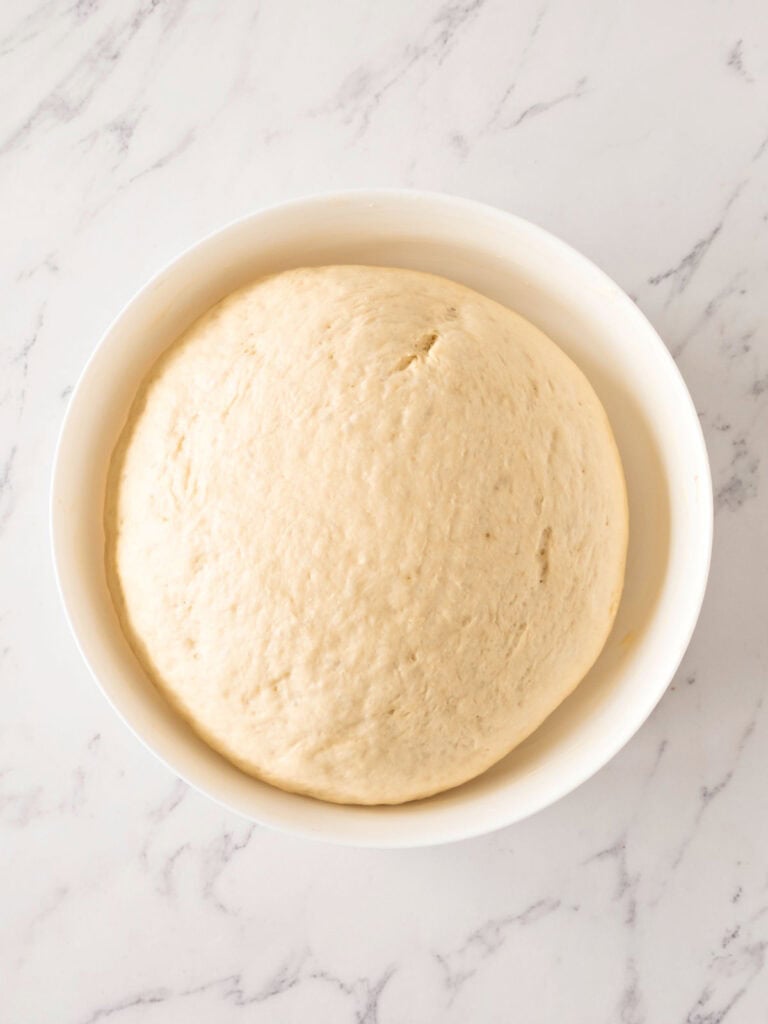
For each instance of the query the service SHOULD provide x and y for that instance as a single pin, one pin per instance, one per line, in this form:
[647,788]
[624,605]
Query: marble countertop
[636,131]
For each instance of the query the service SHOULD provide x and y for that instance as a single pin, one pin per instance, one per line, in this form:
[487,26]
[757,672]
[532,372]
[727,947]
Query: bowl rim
[704,515]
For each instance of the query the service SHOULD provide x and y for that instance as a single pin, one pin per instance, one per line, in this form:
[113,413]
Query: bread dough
[366,529]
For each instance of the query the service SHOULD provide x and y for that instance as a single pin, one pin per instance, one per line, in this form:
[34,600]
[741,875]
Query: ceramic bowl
[532,272]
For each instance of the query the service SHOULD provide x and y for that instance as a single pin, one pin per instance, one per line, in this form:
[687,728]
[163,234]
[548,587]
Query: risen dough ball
[366,529]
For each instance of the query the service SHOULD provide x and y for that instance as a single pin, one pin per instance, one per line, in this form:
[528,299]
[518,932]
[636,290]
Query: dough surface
[366,529]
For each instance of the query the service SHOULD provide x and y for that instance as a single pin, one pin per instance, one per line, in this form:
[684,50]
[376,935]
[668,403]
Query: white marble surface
[637,131]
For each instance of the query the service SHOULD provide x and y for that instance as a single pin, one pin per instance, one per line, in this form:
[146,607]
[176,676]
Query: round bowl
[653,418]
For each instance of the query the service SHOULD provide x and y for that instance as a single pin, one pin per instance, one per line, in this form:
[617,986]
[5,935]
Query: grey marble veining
[639,133]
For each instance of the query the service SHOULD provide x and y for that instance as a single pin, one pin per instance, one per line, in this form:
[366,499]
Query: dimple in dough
[366,529]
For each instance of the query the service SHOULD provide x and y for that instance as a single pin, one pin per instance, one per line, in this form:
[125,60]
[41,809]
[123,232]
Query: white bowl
[656,427]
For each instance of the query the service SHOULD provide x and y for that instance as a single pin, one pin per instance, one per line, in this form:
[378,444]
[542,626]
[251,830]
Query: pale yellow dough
[366,529]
